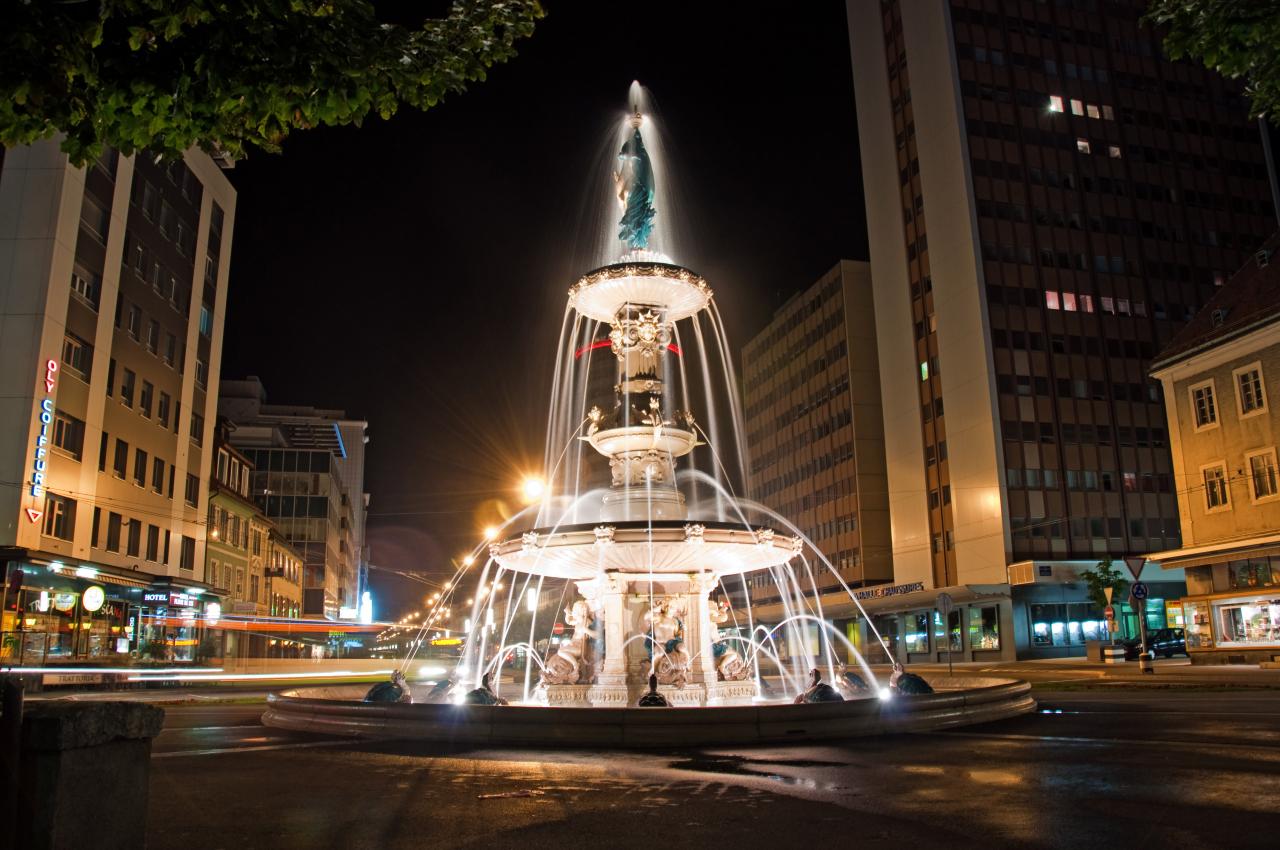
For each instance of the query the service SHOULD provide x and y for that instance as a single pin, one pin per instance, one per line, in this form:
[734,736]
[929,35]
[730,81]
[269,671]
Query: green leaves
[1237,38]
[231,75]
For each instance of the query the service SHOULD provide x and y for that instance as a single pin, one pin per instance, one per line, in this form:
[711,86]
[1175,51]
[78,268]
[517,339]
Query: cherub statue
[670,661]
[729,664]
[573,663]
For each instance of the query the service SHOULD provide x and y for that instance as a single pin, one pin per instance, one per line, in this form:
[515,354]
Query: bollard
[10,748]
[1147,662]
[85,774]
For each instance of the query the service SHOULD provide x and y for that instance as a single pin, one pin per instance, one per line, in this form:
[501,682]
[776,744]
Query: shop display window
[887,627]
[948,638]
[1247,622]
[1253,572]
[1067,624]
[1196,614]
[917,636]
[984,627]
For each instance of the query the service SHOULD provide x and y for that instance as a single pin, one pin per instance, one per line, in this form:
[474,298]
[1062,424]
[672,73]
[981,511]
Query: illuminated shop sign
[171,598]
[46,425]
[93,598]
[889,590]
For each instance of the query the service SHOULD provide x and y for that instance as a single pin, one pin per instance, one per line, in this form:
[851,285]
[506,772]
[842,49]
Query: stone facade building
[1221,379]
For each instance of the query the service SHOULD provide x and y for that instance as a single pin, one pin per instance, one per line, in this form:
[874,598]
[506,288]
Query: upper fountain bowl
[646,548]
[600,294]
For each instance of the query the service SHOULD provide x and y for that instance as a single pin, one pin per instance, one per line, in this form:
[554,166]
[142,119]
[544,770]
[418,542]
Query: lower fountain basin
[958,701]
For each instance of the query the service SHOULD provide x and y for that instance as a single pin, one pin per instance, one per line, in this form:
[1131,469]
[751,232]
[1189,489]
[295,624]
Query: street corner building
[1221,376]
[113,289]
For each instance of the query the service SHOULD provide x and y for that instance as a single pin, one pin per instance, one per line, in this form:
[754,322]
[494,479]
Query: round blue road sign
[1139,590]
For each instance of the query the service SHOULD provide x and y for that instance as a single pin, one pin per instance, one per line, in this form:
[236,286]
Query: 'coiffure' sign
[46,425]
[887,590]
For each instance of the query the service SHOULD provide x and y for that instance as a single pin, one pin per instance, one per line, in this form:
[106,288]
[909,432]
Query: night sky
[414,271]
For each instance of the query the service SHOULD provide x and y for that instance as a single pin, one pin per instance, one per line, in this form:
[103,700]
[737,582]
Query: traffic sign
[1135,565]
[1109,612]
[1139,590]
[945,604]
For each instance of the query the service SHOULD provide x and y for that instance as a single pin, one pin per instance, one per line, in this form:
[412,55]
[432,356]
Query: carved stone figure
[908,684]
[819,691]
[634,181]
[396,690]
[653,699]
[730,666]
[670,661]
[573,663]
[851,685]
[483,695]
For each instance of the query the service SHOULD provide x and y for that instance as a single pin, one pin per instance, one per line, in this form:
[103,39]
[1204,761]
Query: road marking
[294,745]
[1075,739]
[209,728]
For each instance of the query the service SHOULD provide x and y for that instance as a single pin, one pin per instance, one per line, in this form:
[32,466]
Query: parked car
[1165,643]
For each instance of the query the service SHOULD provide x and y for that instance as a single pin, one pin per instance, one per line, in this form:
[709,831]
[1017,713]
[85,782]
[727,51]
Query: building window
[1082,145]
[192,493]
[95,219]
[134,546]
[1204,407]
[188,557]
[170,348]
[134,324]
[126,387]
[153,542]
[120,464]
[145,398]
[77,356]
[153,336]
[113,531]
[157,475]
[202,373]
[206,320]
[86,286]
[162,409]
[1113,151]
[1055,103]
[1262,475]
[68,434]
[140,467]
[1250,395]
[59,517]
[197,428]
[1217,495]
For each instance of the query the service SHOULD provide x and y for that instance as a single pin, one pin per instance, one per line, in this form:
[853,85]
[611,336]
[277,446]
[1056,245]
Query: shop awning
[1214,553]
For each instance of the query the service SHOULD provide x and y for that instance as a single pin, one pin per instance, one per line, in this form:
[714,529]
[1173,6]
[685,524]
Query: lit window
[1082,145]
[1092,111]
[1108,113]
[1262,475]
[1055,103]
[1051,301]
[1216,495]
[924,370]
[1113,151]
[1249,391]
[1069,301]
[1203,405]
[1086,303]
[1108,305]
[1077,107]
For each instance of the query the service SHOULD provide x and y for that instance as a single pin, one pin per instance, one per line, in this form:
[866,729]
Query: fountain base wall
[959,701]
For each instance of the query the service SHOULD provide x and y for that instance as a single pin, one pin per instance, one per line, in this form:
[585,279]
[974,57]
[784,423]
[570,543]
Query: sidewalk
[1171,671]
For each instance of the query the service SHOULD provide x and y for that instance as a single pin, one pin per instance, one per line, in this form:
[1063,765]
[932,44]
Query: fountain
[637,560]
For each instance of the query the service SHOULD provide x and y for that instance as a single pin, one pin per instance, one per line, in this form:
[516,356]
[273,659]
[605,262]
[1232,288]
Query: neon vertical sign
[46,423]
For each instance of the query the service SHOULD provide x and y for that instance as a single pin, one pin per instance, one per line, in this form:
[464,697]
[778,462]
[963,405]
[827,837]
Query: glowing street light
[490,532]
[533,488]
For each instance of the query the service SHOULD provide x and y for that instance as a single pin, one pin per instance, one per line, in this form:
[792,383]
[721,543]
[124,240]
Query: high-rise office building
[309,480]
[113,289]
[1048,202]
[815,429]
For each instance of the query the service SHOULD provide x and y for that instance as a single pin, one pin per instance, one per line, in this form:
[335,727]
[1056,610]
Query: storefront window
[984,627]
[887,628]
[917,636]
[1253,572]
[940,635]
[1067,624]
[1248,622]
[1198,633]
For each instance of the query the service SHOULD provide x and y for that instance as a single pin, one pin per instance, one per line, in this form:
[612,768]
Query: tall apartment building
[1221,375]
[113,289]
[816,436]
[309,480]
[1048,202]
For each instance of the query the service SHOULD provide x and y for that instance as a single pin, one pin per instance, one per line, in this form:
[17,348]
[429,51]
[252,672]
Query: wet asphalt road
[1116,769]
